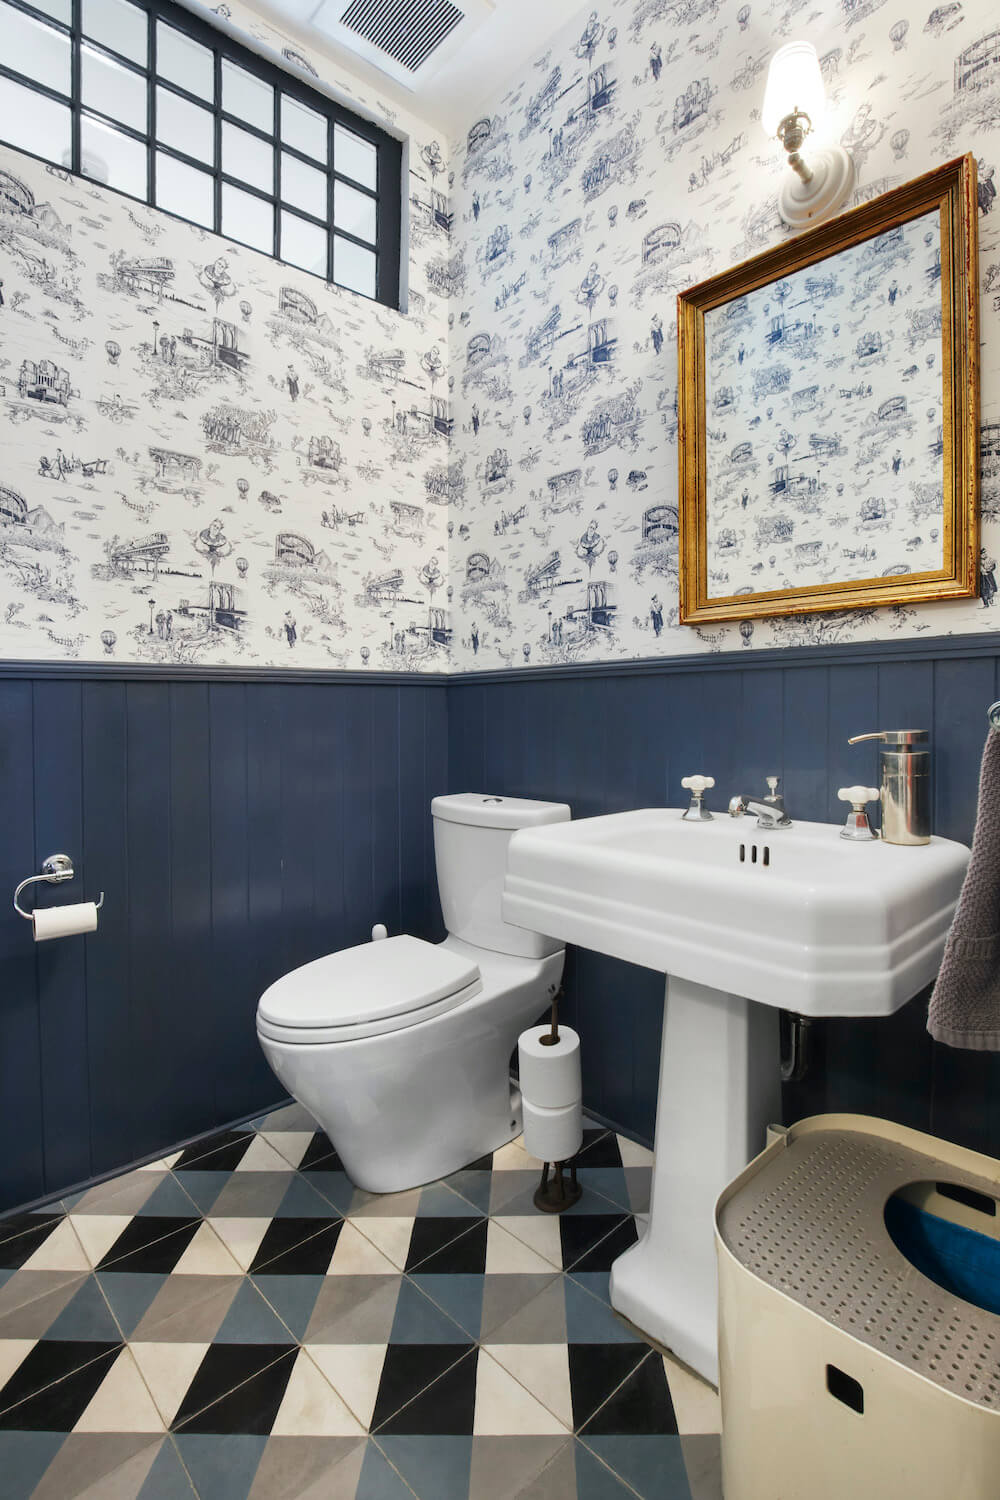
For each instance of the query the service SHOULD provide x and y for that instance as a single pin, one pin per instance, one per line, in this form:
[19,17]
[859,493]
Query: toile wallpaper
[627,164]
[211,458]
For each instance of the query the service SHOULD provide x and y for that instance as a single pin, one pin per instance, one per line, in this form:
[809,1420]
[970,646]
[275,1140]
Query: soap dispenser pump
[905,775]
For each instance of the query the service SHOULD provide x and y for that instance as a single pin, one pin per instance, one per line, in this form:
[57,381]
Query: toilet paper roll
[64,921]
[553,1134]
[549,1075]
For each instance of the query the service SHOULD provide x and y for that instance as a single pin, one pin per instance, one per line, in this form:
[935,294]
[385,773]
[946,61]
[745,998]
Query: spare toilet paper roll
[64,921]
[553,1134]
[549,1075]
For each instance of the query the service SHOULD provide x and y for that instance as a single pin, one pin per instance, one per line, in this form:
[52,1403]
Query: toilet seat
[367,991]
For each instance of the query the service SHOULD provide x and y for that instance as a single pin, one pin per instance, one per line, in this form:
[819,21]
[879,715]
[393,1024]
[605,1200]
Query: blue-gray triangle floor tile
[221,1467]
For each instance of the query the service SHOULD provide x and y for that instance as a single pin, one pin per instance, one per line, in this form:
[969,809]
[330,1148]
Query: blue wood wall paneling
[238,828]
[604,742]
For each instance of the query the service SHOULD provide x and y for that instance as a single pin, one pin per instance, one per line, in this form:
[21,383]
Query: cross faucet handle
[697,784]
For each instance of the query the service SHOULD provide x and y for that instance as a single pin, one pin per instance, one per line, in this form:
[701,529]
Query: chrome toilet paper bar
[55,869]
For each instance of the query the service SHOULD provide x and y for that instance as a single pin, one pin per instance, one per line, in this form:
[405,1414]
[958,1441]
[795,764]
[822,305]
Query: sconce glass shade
[794,84]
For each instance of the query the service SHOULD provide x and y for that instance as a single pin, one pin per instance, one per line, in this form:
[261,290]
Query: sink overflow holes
[765,854]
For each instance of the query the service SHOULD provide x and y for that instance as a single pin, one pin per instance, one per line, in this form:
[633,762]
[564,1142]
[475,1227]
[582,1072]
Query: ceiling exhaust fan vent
[408,31]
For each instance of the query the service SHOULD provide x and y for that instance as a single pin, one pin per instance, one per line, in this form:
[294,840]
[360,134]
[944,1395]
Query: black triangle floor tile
[321,1149]
[54,1384]
[595,1371]
[619,1234]
[216,1153]
[600,1150]
[151,1243]
[412,1371]
[640,1406]
[224,1368]
[448,1245]
[18,1243]
[297,1247]
[580,1233]
[249,1407]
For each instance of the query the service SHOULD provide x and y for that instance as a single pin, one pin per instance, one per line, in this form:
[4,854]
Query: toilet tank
[471,834]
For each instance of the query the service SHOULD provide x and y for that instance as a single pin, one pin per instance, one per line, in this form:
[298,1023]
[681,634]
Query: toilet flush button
[379,931]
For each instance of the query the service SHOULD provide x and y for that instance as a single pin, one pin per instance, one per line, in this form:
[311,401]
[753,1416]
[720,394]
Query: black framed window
[153,102]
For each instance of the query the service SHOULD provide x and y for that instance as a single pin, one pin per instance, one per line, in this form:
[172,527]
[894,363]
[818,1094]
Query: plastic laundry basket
[859,1318]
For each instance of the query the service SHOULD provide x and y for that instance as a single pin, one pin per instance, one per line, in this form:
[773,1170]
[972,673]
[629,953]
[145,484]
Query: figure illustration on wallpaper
[987,578]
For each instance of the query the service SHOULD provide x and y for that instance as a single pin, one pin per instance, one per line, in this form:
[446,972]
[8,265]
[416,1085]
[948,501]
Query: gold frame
[951,189]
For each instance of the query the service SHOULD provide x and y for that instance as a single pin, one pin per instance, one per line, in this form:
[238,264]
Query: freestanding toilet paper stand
[554,1194]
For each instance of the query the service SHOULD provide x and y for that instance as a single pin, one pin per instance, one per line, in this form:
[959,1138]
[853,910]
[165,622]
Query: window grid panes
[205,130]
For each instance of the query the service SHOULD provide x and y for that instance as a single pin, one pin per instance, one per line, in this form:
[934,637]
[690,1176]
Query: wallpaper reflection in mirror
[832,462]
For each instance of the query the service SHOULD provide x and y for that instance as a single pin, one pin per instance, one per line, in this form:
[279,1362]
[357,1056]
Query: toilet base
[409,1107]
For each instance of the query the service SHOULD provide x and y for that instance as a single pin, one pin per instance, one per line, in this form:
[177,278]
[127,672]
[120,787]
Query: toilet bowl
[401,1048]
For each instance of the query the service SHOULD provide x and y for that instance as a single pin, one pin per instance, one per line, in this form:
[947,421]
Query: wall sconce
[793,109]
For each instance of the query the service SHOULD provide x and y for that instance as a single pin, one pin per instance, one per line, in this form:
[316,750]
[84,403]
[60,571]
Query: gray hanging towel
[965,1005]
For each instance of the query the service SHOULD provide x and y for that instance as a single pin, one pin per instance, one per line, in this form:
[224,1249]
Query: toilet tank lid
[484,810]
[368,983]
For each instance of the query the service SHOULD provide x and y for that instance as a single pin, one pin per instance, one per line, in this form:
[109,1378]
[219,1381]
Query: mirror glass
[828,463]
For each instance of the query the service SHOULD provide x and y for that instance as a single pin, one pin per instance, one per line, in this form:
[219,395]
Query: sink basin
[741,921]
[796,917]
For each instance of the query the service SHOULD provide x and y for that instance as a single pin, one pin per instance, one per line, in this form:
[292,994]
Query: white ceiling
[453,95]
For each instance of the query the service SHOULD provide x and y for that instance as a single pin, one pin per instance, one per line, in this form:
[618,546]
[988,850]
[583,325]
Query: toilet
[401,1048]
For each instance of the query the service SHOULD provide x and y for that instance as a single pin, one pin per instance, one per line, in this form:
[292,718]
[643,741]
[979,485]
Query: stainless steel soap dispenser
[905,792]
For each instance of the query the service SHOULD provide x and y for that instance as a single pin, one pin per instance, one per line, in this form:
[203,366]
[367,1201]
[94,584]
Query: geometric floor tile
[288,1336]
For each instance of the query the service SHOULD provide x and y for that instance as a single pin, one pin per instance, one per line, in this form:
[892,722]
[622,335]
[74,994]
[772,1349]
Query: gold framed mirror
[828,414]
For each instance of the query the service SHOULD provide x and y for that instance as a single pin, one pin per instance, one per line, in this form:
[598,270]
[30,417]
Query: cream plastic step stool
[845,1372]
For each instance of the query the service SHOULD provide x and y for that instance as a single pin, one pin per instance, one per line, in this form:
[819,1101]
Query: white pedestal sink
[741,921]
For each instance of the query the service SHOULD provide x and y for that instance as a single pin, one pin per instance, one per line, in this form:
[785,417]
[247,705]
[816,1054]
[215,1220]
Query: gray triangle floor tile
[302,1200]
[653,1466]
[167,1480]
[85,1316]
[91,1464]
[294,1297]
[187,1309]
[37,1298]
[435,1468]
[502,1466]
[221,1467]
[24,1458]
[378,1480]
[169,1198]
[309,1468]
[130,1294]
[703,1461]
[354,1310]
[419,1321]
[250,1320]
[203,1188]
[594,1481]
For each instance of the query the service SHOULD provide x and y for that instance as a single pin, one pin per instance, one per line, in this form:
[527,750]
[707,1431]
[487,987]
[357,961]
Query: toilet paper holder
[55,869]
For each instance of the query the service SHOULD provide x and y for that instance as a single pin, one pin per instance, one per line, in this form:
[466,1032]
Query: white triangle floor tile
[60,1251]
[391,1236]
[696,1403]
[122,1402]
[354,1371]
[311,1407]
[512,1157]
[207,1256]
[543,1369]
[165,1162]
[13,1353]
[168,1370]
[260,1156]
[507,1256]
[355,1255]
[240,1236]
[98,1232]
[632,1154]
[505,1406]
[539,1231]
[292,1145]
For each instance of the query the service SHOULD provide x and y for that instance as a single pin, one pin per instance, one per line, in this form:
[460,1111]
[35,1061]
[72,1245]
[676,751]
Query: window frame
[387,194]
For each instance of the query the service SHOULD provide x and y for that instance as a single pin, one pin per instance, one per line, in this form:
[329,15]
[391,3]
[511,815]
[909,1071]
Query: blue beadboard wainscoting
[614,737]
[239,824]
[243,822]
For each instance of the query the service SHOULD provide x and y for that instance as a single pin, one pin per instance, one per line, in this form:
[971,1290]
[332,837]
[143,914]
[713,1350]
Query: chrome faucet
[769,810]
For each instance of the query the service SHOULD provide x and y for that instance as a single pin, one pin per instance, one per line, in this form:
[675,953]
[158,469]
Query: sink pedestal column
[719,1090]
